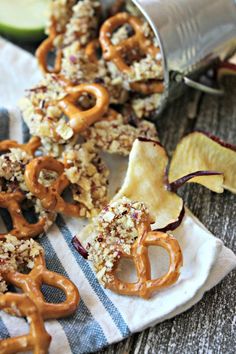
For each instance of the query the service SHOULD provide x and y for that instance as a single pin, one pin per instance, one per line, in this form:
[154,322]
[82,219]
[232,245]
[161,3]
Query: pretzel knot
[50,197]
[117,52]
[44,49]
[79,119]
[21,228]
[30,147]
[145,286]
[38,338]
[31,285]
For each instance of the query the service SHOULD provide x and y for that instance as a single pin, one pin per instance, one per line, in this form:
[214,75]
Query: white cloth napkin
[104,317]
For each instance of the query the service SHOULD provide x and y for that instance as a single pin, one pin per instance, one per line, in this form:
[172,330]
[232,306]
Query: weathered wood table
[210,326]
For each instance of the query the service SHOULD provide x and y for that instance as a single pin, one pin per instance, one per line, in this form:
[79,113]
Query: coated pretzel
[80,120]
[145,286]
[21,228]
[50,197]
[31,285]
[38,339]
[43,50]
[115,53]
[30,147]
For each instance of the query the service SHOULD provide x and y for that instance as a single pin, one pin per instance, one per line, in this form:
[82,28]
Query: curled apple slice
[200,152]
[146,182]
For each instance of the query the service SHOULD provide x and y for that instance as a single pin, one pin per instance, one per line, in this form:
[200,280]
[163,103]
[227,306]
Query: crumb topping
[89,177]
[16,255]
[60,11]
[116,136]
[43,116]
[11,166]
[115,231]
[82,26]
[147,68]
[77,68]
[12,169]
[144,107]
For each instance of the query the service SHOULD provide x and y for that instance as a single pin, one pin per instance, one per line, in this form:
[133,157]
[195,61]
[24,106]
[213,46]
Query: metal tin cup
[192,34]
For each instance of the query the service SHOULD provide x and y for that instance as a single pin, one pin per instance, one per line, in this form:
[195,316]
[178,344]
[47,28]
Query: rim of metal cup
[165,94]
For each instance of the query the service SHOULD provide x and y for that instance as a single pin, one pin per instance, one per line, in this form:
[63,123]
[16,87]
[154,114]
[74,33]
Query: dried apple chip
[146,182]
[199,152]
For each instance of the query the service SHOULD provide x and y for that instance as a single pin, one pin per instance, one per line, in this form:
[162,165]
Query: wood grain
[210,326]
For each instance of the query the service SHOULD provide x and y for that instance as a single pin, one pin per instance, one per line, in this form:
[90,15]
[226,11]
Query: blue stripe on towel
[25,132]
[3,330]
[4,124]
[88,334]
[108,304]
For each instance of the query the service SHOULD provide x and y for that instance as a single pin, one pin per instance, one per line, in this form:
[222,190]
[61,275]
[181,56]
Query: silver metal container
[192,34]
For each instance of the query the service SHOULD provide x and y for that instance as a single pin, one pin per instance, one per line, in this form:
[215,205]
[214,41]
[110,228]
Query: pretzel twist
[50,197]
[145,286]
[38,338]
[115,53]
[21,228]
[80,120]
[30,147]
[31,285]
[43,50]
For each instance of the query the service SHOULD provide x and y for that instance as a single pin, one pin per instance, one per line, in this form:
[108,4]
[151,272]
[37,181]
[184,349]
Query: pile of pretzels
[31,303]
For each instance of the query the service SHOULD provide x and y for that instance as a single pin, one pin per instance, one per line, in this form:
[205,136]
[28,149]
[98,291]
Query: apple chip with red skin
[146,182]
[201,151]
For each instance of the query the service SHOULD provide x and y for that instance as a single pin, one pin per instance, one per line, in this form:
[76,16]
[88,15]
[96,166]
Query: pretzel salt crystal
[80,120]
[21,228]
[38,339]
[50,196]
[31,285]
[145,286]
[43,50]
[30,147]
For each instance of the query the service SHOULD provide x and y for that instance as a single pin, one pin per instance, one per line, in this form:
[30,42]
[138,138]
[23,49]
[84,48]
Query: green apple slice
[24,19]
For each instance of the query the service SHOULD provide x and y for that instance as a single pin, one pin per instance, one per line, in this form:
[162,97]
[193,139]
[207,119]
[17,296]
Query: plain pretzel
[38,338]
[31,285]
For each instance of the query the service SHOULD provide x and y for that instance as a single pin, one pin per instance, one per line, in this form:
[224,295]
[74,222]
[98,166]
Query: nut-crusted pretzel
[43,50]
[38,339]
[115,53]
[21,228]
[30,147]
[50,196]
[31,285]
[145,286]
[80,120]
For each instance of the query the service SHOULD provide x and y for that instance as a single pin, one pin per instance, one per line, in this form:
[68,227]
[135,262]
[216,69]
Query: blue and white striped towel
[102,317]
